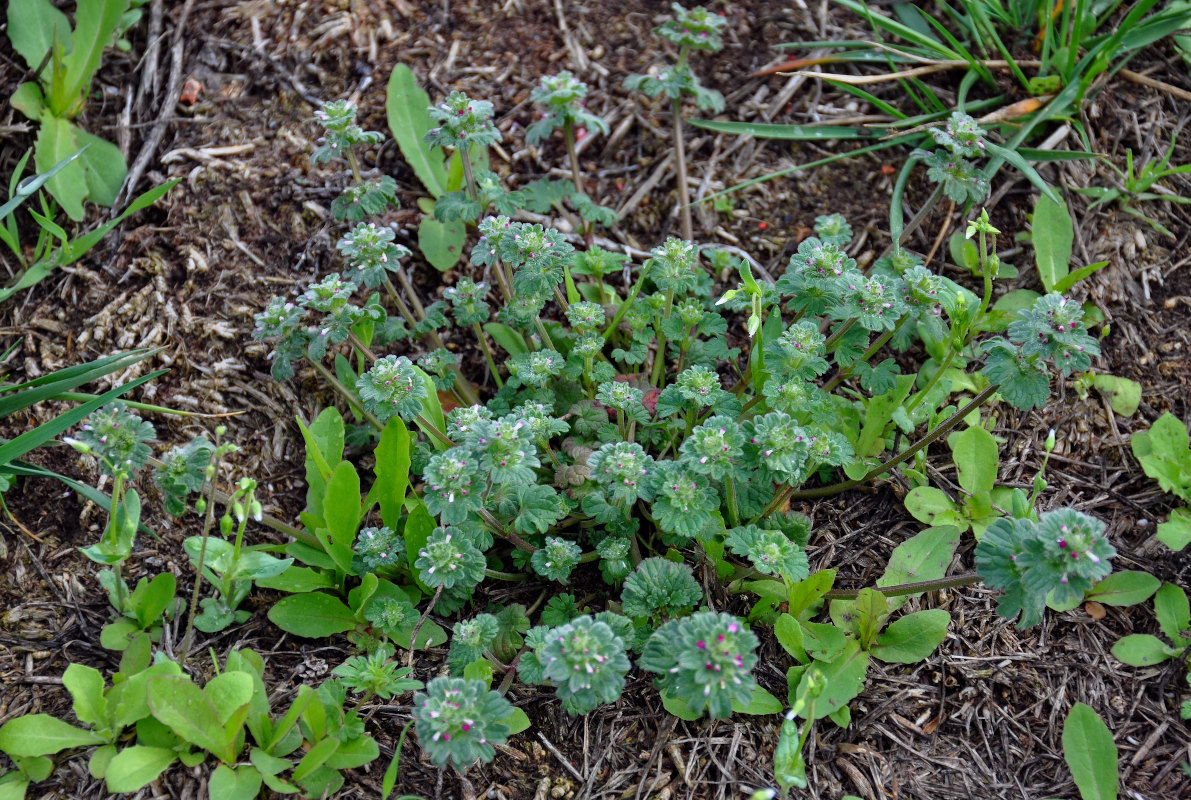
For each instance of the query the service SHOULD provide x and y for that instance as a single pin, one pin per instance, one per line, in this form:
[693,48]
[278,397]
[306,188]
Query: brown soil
[981,718]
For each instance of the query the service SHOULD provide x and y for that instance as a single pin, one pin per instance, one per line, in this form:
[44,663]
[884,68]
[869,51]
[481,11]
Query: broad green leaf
[789,636]
[1174,615]
[679,707]
[34,26]
[923,557]
[509,339]
[29,100]
[760,703]
[975,454]
[1163,453]
[13,786]
[154,598]
[518,721]
[1052,233]
[1142,650]
[314,615]
[431,634]
[872,610]
[1124,588]
[189,712]
[843,679]
[405,106]
[805,594]
[103,164]
[85,685]
[432,411]
[441,242]
[324,448]
[877,415]
[823,642]
[913,637]
[94,23]
[100,760]
[1175,533]
[137,766]
[229,692]
[1124,395]
[928,504]
[315,757]
[241,783]
[392,472]
[480,670]
[1090,754]
[341,511]
[788,767]
[56,140]
[296,580]
[42,735]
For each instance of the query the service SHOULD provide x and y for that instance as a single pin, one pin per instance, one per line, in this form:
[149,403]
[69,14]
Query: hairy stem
[347,394]
[680,158]
[413,638]
[483,340]
[902,589]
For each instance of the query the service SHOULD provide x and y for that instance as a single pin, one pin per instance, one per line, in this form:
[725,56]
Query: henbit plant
[694,29]
[64,61]
[1164,455]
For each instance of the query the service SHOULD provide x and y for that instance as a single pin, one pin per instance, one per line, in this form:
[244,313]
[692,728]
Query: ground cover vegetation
[632,443]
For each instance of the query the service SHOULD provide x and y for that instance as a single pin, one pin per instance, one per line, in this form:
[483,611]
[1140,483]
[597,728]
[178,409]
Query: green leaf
[1053,234]
[441,242]
[13,786]
[296,580]
[241,783]
[405,107]
[42,735]
[1124,588]
[975,454]
[418,528]
[509,339]
[1123,394]
[104,167]
[913,637]
[679,707]
[928,504]
[518,721]
[203,717]
[923,557]
[1077,275]
[152,597]
[760,703]
[1175,533]
[843,679]
[315,757]
[85,685]
[1174,615]
[94,24]
[789,636]
[91,238]
[341,511]
[805,594]
[1090,753]
[29,100]
[34,26]
[324,447]
[1142,650]
[871,609]
[823,642]
[137,766]
[392,472]
[1163,453]
[314,615]
[56,141]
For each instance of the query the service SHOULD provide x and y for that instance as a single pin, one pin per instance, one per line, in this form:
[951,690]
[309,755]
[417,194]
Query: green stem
[917,399]
[733,510]
[568,135]
[624,307]
[847,371]
[208,520]
[838,333]
[351,399]
[483,340]
[903,589]
[788,492]
[546,340]
[465,159]
[516,577]
[354,163]
[434,430]
[361,348]
[680,156]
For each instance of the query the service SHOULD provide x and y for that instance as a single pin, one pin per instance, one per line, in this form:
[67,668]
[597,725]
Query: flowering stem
[361,348]
[903,589]
[917,399]
[483,340]
[838,333]
[847,371]
[733,510]
[495,525]
[680,157]
[208,520]
[537,323]
[568,135]
[354,163]
[413,637]
[433,430]
[351,399]
[465,160]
